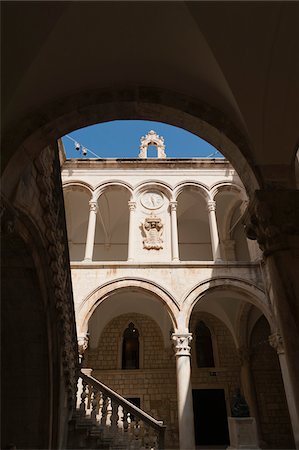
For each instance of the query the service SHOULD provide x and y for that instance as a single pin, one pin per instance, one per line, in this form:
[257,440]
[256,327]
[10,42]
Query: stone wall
[154,383]
[226,373]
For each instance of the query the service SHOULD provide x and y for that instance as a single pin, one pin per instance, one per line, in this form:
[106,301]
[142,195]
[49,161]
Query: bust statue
[239,405]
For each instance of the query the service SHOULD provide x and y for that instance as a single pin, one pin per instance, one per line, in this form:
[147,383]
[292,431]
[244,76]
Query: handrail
[129,407]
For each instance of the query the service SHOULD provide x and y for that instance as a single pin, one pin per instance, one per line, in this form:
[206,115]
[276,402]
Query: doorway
[210,417]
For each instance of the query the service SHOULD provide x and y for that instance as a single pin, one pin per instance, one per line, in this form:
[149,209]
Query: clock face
[152,200]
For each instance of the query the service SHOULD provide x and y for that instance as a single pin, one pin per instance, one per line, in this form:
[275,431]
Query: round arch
[227,187]
[82,185]
[248,292]
[58,118]
[200,187]
[142,186]
[102,187]
[103,292]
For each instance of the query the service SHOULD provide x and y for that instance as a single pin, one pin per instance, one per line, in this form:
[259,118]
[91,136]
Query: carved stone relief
[152,228]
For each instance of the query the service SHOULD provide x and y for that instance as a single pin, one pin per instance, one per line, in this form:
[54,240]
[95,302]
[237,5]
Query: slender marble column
[91,230]
[174,232]
[276,342]
[132,207]
[214,230]
[184,390]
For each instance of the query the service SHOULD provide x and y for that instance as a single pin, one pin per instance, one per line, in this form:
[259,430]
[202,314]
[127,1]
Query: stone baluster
[83,396]
[174,231]
[184,390]
[94,404]
[125,421]
[214,230]
[275,340]
[132,207]
[114,415]
[104,410]
[93,208]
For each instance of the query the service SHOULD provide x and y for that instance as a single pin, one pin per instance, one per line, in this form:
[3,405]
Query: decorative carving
[173,205]
[273,216]
[132,205]
[211,205]
[83,340]
[152,200]
[93,206]
[239,405]
[152,138]
[153,229]
[275,340]
[49,183]
[182,340]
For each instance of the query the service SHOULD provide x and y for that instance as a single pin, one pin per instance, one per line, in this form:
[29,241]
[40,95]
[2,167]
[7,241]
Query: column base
[87,260]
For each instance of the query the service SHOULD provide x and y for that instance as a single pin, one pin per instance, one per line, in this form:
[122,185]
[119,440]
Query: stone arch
[103,292]
[200,187]
[64,115]
[68,185]
[248,291]
[227,186]
[164,187]
[102,187]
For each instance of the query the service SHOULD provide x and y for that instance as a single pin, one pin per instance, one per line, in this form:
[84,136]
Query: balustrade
[116,417]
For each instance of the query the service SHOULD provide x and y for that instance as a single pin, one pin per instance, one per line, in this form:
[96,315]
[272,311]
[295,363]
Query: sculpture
[153,229]
[239,405]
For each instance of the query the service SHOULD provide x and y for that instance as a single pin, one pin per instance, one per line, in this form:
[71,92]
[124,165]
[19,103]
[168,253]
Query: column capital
[182,340]
[276,341]
[273,219]
[211,205]
[173,205]
[83,340]
[132,205]
[93,205]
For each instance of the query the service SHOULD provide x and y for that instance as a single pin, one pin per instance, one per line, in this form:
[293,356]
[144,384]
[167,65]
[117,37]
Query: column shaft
[214,230]
[91,230]
[132,207]
[174,232]
[184,391]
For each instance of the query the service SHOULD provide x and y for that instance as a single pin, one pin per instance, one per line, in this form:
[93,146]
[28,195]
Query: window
[204,347]
[130,348]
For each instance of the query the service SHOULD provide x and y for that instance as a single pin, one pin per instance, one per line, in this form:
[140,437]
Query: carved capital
[173,205]
[211,205]
[182,340]
[273,218]
[275,340]
[83,340]
[93,206]
[132,205]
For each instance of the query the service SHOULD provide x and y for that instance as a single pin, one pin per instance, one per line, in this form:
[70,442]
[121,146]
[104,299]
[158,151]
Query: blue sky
[121,139]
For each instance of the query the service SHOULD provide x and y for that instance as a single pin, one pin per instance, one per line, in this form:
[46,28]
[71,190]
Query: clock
[152,200]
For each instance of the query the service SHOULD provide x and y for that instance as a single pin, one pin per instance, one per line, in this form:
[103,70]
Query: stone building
[225,71]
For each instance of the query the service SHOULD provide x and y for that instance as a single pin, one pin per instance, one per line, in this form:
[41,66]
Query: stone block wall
[154,383]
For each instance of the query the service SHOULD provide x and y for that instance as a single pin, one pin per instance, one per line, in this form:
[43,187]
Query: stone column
[132,207]
[214,230]
[184,390]
[276,342]
[247,383]
[174,232]
[274,223]
[93,208]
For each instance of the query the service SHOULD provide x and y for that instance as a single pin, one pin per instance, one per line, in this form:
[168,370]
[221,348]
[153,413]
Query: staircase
[104,419]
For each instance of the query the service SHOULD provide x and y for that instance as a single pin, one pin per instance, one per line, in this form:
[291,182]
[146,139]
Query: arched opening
[112,227]
[130,348]
[193,226]
[204,346]
[76,201]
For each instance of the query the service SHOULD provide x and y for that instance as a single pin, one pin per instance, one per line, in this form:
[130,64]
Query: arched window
[130,349]
[204,347]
